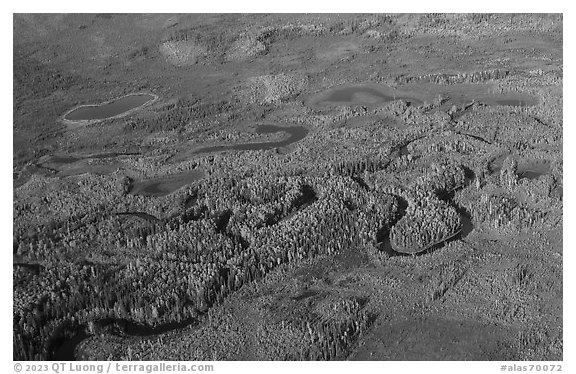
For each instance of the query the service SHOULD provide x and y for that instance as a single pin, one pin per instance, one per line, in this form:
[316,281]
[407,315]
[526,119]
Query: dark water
[156,188]
[167,185]
[362,95]
[112,154]
[296,133]
[63,160]
[533,169]
[467,225]
[476,137]
[348,95]
[107,110]
[512,102]
[35,268]
[55,162]
[529,174]
[403,150]
[64,349]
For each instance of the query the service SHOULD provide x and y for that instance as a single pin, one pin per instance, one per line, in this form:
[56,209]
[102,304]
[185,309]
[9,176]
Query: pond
[296,133]
[65,349]
[467,225]
[63,160]
[366,94]
[109,109]
[529,174]
[166,185]
[533,169]
[526,169]
[512,102]
[63,165]
[100,169]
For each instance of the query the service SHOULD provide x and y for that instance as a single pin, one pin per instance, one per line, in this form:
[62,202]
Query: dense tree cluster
[420,229]
[214,40]
[443,78]
[441,177]
[33,78]
[521,132]
[506,213]
[234,226]
[278,232]
[427,220]
[179,114]
[274,89]
[352,167]
[449,143]
[237,230]
[49,201]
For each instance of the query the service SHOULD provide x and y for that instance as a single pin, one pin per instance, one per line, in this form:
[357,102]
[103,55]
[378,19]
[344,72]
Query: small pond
[296,133]
[511,102]
[166,185]
[69,165]
[109,109]
[526,169]
[367,94]
[533,169]
[467,225]
[63,160]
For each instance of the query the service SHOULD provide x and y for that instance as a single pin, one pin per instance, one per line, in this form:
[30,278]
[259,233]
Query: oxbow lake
[364,94]
[296,133]
[109,109]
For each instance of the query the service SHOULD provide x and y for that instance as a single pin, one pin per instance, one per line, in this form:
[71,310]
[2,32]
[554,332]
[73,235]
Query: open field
[301,187]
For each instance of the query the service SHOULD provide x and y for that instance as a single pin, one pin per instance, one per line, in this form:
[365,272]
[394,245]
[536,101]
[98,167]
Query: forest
[131,243]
